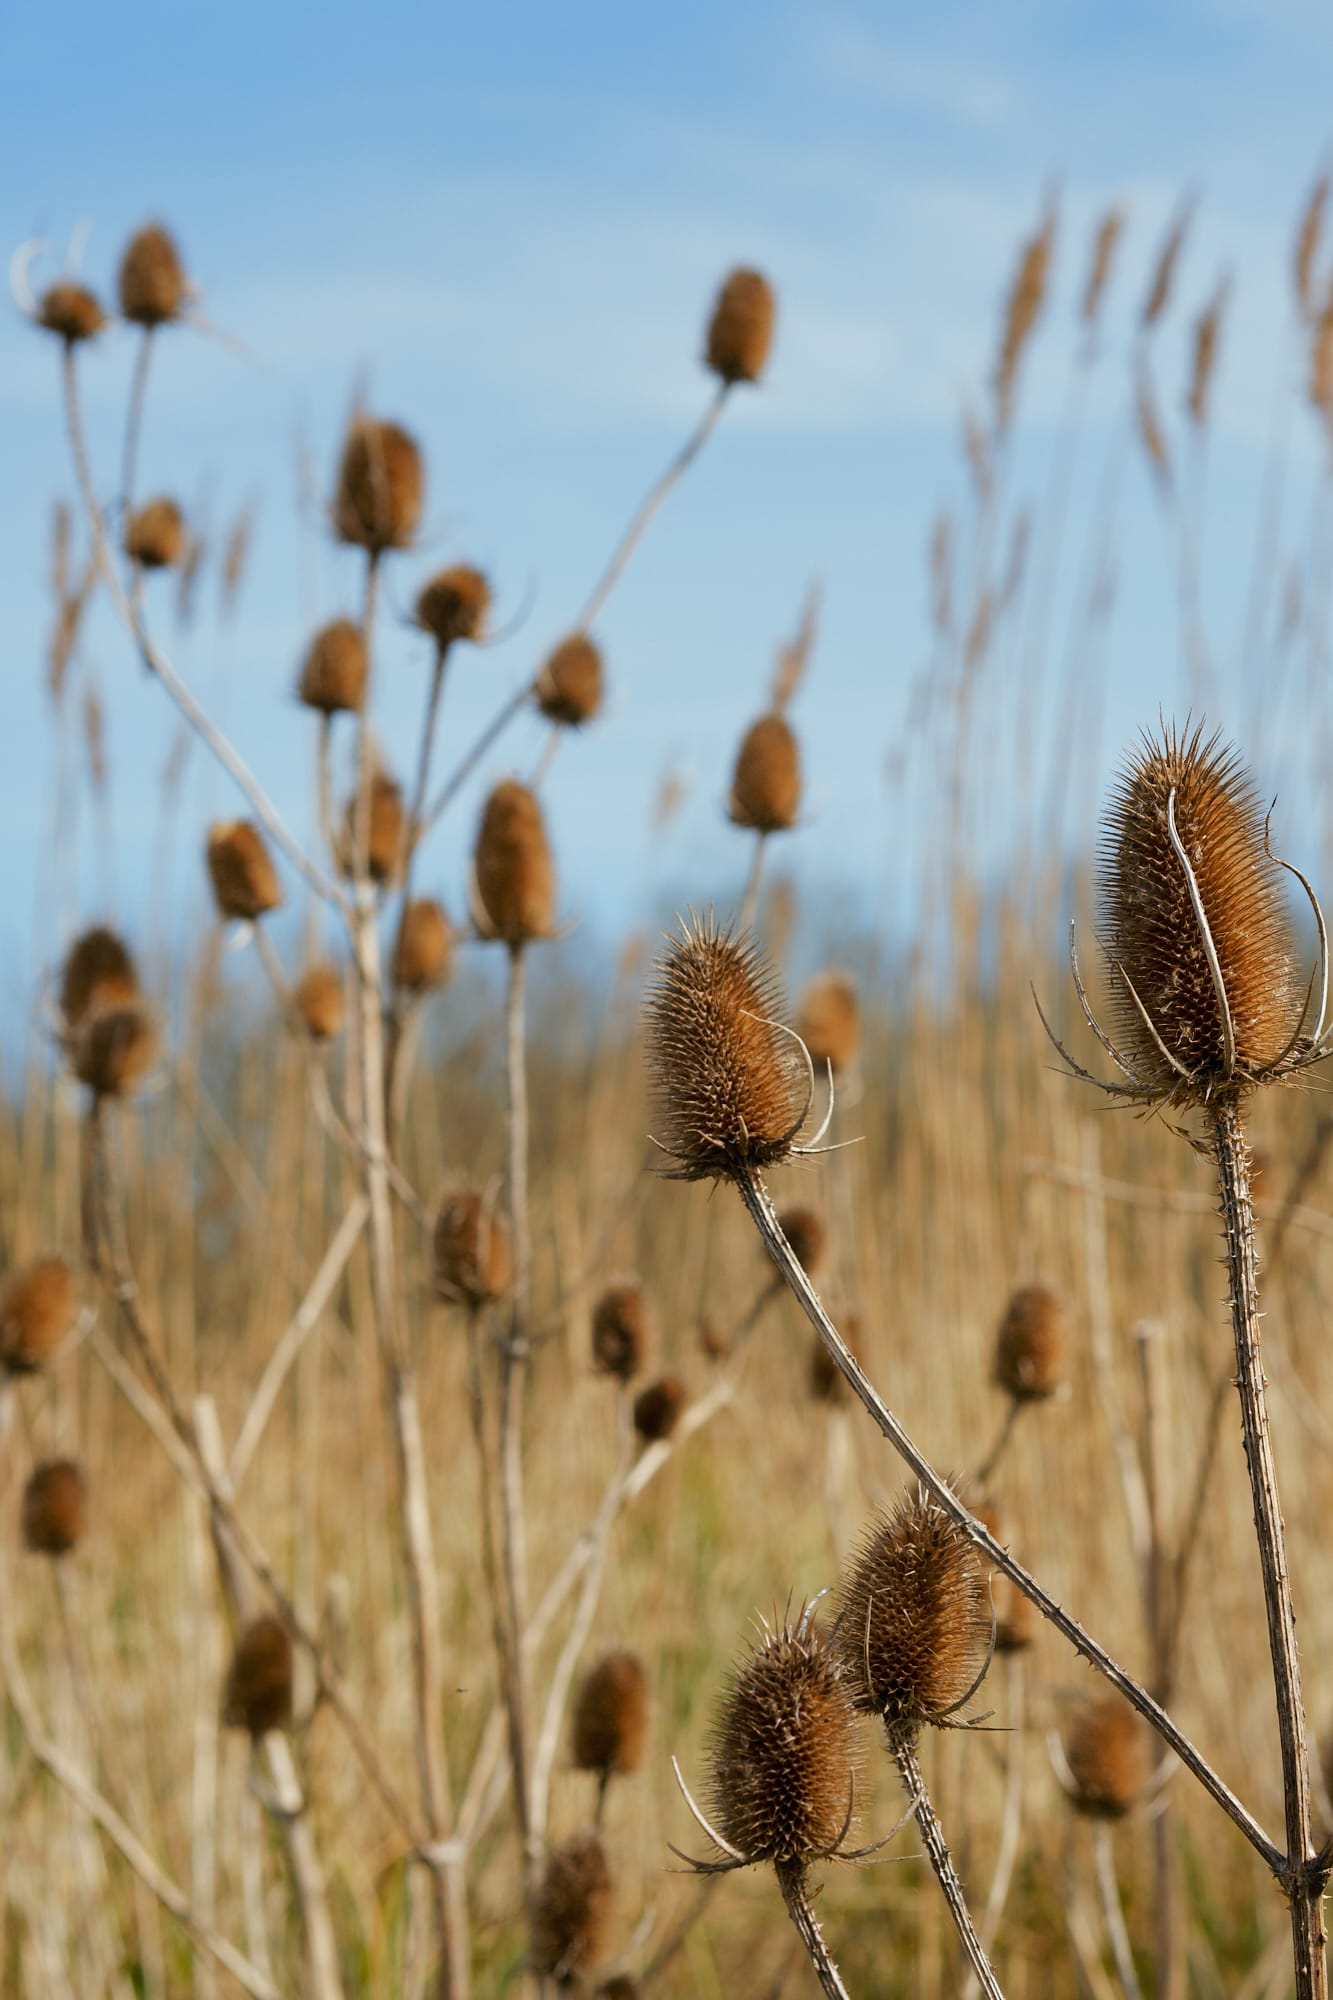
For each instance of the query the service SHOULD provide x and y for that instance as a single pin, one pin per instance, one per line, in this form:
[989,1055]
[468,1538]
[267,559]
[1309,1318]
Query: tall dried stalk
[514,1357]
[902,1746]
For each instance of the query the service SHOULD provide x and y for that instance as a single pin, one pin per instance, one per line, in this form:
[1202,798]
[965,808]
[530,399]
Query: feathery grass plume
[659,1408]
[333,673]
[98,973]
[569,686]
[1016,1617]
[828,1384]
[914,1620]
[71,311]
[37,1309]
[381,482]
[1107,1754]
[513,869]
[424,947]
[610,1728]
[1149,426]
[1204,998]
[55,1507]
[1158,296]
[572,1911]
[114,1049]
[151,282]
[1031,1345]
[384,846]
[454,604]
[766,781]
[1105,241]
[829,1021]
[318,1002]
[740,332]
[1321,359]
[1022,309]
[729,1088]
[1207,329]
[470,1245]
[623,1331]
[240,867]
[1307,244]
[804,1229]
[258,1695]
[155,534]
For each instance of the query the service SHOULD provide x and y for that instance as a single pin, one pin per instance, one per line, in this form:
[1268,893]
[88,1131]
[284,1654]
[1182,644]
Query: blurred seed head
[318,1002]
[381,483]
[1017,1619]
[37,1310]
[827,1382]
[98,973]
[1107,1754]
[659,1408]
[152,283]
[572,1911]
[623,1331]
[569,686]
[71,311]
[55,1507]
[258,1695]
[333,673]
[1031,1345]
[622,1987]
[471,1251]
[513,869]
[424,947]
[240,867]
[114,1049]
[829,1022]
[740,332]
[155,534]
[386,819]
[804,1229]
[611,1716]
[454,605]
[766,783]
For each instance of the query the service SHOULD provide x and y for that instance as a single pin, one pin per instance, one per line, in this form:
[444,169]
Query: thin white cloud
[944,86]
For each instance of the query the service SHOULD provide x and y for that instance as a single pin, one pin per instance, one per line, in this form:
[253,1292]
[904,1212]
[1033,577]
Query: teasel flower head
[385,839]
[470,1246]
[659,1408]
[71,311]
[610,1730]
[453,605]
[55,1507]
[569,686]
[113,1050]
[98,972]
[1016,1617]
[37,1311]
[1031,1345]
[829,1021]
[333,673]
[424,947]
[240,868]
[381,483]
[152,283]
[623,1331]
[1107,1754]
[513,872]
[766,783]
[155,534]
[805,1230]
[571,1911]
[318,1002]
[828,1384]
[258,1695]
[740,331]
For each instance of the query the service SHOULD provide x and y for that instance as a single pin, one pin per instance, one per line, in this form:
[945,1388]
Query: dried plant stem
[134,418]
[1012,1815]
[902,1747]
[513,1375]
[753,884]
[796,1895]
[415,829]
[986,1470]
[1108,1895]
[1303,1875]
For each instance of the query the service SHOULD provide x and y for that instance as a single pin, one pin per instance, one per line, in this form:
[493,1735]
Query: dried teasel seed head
[114,1049]
[155,534]
[55,1507]
[513,869]
[98,973]
[333,673]
[569,686]
[1207,1002]
[387,826]
[454,604]
[914,1615]
[1031,1345]
[572,1910]
[623,1331]
[471,1251]
[240,867]
[784,1755]
[70,310]
[766,783]
[1017,1619]
[829,1021]
[318,1002]
[1107,1754]
[424,947]
[610,1728]
[151,283]
[827,1381]
[622,1987]
[804,1229]
[37,1309]
[729,1086]
[381,481]
[740,331]
[258,1695]
[659,1408]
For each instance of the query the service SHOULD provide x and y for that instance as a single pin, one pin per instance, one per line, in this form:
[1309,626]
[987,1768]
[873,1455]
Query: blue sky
[507,223]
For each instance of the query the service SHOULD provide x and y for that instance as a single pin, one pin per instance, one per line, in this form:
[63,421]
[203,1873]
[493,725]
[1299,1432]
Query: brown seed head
[471,1250]
[804,1229]
[740,331]
[1022,310]
[1030,1345]
[1164,270]
[55,1507]
[1155,943]
[622,1987]
[784,1756]
[259,1681]
[766,783]
[830,1021]
[245,884]
[659,1408]
[70,310]
[512,864]
[424,948]
[98,972]
[569,686]
[729,1090]
[377,504]
[151,284]
[623,1332]
[333,673]
[454,604]
[1016,1617]
[572,1911]
[1207,329]
[1307,244]
[114,1049]
[155,534]
[827,1381]
[37,1308]
[384,848]
[611,1716]
[1107,1754]
[1104,243]
[318,1002]
[914,1617]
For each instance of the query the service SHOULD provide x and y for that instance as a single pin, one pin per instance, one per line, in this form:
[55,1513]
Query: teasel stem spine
[796,1895]
[902,1747]
[513,1377]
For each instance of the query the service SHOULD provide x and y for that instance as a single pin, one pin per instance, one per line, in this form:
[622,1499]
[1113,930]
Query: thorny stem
[1302,1875]
[1012,1815]
[753,882]
[903,1751]
[513,1373]
[796,1895]
[1108,1895]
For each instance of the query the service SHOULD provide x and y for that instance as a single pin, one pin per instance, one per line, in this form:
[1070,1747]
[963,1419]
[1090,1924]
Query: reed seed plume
[1022,310]
[610,1728]
[828,1384]
[454,605]
[1162,282]
[571,1916]
[71,311]
[151,282]
[114,1049]
[569,686]
[471,1251]
[1107,1754]
[1031,1345]
[805,1230]
[258,1695]
[240,868]
[381,485]
[728,1084]
[829,1021]
[1309,235]
[1149,427]
[766,781]
[1105,242]
[37,1310]
[98,972]
[318,1002]
[740,332]
[624,1332]
[424,947]
[155,534]
[385,840]
[55,1507]
[1207,331]
[333,673]
[659,1408]
[513,868]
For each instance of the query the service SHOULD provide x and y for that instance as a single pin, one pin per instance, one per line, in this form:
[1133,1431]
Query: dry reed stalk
[1162,282]
[1207,330]
[1022,310]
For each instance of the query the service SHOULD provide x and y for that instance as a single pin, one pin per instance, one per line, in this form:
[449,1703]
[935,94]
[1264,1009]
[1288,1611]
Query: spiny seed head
[70,310]
[333,673]
[766,783]
[804,1229]
[454,604]
[384,844]
[37,1309]
[55,1507]
[784,1755]
[914,1615]
[152,283]
[611,1716]
[1030,1345]
[318,1002]
[829,1021]
[623,1331]
[728,1085]
[659,1408]
[740,331]
[258,1695]
[1016,1617]
[423,950]
[98,972]
[1107,1753]
[155,534]
[471,1251]
[515,875]
[572,1910]
[569,686]
[114,1049]
[827,1381]
[1153,938]
[240,867]
[377,502]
